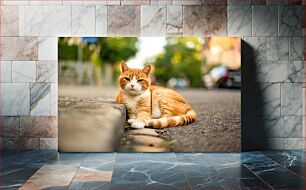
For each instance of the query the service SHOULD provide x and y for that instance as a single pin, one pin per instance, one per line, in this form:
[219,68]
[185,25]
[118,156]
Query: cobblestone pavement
[217,127]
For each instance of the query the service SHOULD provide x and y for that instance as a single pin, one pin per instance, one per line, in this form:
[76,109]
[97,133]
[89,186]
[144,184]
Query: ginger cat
[151,106]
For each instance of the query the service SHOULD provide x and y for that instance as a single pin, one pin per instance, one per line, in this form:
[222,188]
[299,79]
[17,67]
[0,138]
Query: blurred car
[222,77]
[178,83]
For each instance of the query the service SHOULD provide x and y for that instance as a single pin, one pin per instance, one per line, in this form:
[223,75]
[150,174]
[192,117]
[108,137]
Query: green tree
[181,58]
[105,54]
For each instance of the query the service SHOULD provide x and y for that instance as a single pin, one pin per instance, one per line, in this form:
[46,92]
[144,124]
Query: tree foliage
[111,50]
[181,59]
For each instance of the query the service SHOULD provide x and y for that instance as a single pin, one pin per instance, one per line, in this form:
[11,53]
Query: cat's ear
[124,66]
[147,69]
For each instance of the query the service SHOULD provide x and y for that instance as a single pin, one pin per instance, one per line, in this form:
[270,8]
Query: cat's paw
[138,125]
[130,121]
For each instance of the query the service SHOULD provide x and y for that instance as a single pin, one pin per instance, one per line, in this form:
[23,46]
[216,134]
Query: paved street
[217,127]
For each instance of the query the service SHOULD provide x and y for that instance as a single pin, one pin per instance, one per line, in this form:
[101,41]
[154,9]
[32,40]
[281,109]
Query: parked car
[222,77]
[178,83]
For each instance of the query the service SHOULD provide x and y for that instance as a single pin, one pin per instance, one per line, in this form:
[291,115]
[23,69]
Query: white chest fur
[131,101]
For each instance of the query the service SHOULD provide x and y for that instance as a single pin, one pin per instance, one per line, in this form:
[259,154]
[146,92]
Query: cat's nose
[132,85]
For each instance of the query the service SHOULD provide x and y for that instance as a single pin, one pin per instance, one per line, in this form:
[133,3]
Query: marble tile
[259,47]
[49,176]
[47,48]
[125,23]
[40,104]
[267,101]
[42,126]
[79,185]
[293,160]
[290,20]
[16,2]
[10,143]
[100,161]
[46,2]
[205,21]
[10,126]
[92,175]
[270,127]
[239,2]
[294,143]
[239,20]
[15,99]
[278,48]
[275,143]
[54,99]
[272,173]
[161,2]
[9,21]
[23,71]
[6,71]
[291,99]
[101,20]
[73,2]
[296,49]
[153,20]
[83,20]
[264,22]
[48,143]
[51,20]
[214,171]
[28,144]
[18,48]
[214,2]
[135,2]
[272,71]
[293,126]
[295,71]
[147,171]
[187,2]
[47,71]
[174,20]
[102,2]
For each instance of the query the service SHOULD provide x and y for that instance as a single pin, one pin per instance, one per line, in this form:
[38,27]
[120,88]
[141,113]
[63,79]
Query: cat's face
[134,81]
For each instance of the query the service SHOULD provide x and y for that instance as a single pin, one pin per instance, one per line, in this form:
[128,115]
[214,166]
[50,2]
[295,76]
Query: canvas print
[149,94]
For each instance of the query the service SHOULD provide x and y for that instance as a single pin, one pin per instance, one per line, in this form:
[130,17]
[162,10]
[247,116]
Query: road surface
[217,127]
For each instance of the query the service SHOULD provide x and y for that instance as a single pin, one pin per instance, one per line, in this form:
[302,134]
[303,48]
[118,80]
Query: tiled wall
[273,67]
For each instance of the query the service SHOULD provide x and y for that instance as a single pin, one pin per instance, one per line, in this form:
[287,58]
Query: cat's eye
[126,78]
[140,80]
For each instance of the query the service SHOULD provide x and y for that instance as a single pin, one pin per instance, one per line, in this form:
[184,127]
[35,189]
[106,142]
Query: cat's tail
[173,121]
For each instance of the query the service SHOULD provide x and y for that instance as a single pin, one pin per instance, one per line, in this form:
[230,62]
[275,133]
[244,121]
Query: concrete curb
[90,125]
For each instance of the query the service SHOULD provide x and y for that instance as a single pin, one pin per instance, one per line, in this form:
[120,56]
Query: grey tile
[274,144]
[294,143]
[271,71]
[264,22]
[175,20]
[291,98]
[259,47]
[261,99]
[257,127]
[40,99]
[278,48]
[296,49]
[239,20]
[295,71]
[10,126]
[290,20]
[293,127]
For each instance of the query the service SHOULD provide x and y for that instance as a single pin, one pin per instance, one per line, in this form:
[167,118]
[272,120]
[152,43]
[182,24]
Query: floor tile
[271,172]
[218,171]
[293,160]
[147,171]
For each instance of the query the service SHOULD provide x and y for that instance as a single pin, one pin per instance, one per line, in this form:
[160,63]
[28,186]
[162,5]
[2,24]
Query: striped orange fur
[151,106]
